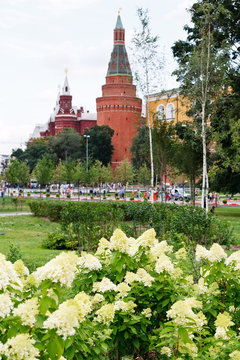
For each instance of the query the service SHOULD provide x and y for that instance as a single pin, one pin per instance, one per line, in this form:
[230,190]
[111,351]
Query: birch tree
[148,64]
[202,74]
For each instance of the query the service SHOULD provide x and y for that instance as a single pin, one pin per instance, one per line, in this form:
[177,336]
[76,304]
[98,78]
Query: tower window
[66,88]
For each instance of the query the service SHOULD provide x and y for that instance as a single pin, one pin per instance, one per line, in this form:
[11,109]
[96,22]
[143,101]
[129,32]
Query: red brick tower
[66,116]
[119,107]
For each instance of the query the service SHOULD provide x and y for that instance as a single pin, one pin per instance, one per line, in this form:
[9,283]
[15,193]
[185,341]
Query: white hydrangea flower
[6,305]
[105,314]
[61,269]
[8,275]
[119,241]
[144,277]
[103,247]
[124,306]
[133,246]
[20,268]
[222,323]
[148,238]
[181,312]
[97,298]
[147,313]
[235,355]
[234,258]
[201,253]
[160,248]
[164,264]
[20,347]
[69,315]
[27,311]
[89,262]
[104,285]
[130,277]
[166,351]
[217,253]
[123,289]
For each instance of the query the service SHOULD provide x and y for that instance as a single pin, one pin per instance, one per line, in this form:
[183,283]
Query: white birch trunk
[150,130]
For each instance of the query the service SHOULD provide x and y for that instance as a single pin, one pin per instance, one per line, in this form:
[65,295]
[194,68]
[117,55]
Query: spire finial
[119,10]
[66,71]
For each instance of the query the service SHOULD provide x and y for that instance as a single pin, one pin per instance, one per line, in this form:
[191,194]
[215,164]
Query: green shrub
[57,195]
[28,194]
[235,198]
[48,194]
[14,253]
[224,201]
[59,241]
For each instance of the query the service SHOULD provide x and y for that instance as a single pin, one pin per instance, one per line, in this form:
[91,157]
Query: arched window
[161,112]
[170,112]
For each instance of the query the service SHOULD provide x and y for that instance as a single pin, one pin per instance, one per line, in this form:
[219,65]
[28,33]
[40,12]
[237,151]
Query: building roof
[119,24]
[119,64]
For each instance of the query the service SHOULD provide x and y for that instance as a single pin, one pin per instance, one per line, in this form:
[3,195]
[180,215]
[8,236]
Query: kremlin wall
[118,107]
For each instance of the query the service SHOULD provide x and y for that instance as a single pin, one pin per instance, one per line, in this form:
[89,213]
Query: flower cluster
[183,315]
[6,305]
[69,315]
[90,262]
[60,269]
[104,285]
[8,275]
[27,311]
[20,347]
[222,323]
[215,254]
[105,314]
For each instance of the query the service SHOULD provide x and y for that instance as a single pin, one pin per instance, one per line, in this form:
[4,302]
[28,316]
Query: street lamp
[87,137]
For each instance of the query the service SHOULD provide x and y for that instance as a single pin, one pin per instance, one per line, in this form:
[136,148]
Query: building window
[66,105]
[161,112]
[170,112]
[66,88]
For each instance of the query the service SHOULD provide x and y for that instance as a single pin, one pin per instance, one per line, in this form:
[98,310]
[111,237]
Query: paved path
[14,214]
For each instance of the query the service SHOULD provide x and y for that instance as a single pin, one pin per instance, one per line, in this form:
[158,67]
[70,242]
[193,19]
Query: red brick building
[65,115]
[119,107]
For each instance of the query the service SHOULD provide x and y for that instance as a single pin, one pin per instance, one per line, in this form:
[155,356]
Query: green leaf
[55,350]
[183,334]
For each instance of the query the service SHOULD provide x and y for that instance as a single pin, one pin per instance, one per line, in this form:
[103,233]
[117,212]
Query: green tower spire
[119,64]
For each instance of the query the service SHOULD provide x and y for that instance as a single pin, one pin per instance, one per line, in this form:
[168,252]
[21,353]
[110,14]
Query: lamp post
[87,137]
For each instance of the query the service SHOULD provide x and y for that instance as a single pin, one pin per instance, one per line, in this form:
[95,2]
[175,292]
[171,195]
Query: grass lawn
[27,232]
[232,215]
[13,205]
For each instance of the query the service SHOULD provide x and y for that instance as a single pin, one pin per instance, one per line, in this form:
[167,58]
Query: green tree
[68,143]
[100,143]
[225,172]
[163,148]
[44,171]
[148,65]
[11,173]
[188,153]
[124,173]
[202,69]
[143,175]
[140,153]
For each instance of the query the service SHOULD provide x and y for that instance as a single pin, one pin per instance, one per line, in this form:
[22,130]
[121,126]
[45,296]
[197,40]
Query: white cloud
[11,17]
[60,6]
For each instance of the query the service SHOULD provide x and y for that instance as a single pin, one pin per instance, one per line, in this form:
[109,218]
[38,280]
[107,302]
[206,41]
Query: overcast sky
[40,38]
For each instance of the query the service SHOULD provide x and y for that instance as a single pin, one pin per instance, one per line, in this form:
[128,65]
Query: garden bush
[132,299]
[224,201]
[87,221]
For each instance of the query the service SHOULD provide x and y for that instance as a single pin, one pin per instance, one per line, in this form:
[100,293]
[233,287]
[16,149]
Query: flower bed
[131,299]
